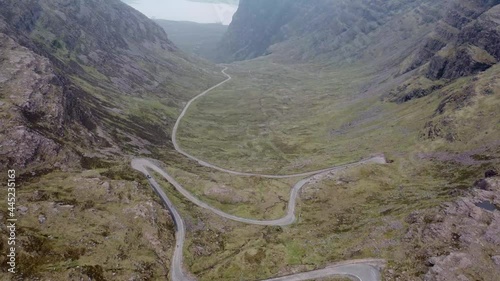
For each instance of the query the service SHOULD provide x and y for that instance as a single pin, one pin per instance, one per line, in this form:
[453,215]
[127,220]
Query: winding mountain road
[363,270]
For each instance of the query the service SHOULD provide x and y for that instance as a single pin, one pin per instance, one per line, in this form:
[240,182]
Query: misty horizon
[184,10]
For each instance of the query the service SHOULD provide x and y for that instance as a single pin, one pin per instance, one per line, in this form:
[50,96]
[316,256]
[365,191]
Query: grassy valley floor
[281,119]
[274,118]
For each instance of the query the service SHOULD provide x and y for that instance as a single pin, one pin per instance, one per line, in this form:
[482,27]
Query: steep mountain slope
[414,48]
[85,85]
[331,28]
[195,38]
[264,21]
[424,43]
[102,66]
[37,107]
[463,42]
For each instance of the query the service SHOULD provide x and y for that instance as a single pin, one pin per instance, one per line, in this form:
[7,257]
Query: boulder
[490,174]
[482,184]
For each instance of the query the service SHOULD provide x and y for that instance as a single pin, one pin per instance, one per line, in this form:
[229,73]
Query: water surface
[486,205]
[183,10]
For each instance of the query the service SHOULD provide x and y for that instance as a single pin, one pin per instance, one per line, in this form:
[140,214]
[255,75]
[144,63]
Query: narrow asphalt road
[365,270]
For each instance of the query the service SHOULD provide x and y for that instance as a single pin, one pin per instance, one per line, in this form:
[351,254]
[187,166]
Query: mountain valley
[87,86]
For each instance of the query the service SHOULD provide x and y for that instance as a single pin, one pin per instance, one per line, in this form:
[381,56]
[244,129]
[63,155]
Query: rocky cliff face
[326,29]
[255,27]
[424,44]
[458,240]
[464,41]
[84,74]
[37,110]
[86,84]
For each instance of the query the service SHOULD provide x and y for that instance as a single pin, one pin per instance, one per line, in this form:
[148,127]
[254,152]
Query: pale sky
[184,10]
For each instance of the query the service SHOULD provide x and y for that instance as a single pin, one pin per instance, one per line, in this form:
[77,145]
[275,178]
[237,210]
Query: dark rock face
[482,184]
[490,174]
[403,95]
[430,47]
[69,70]
[322,29]
[255,27]
[473,48]
[484,32]
[36,110]
[458,65]
[329,29]
[464,42]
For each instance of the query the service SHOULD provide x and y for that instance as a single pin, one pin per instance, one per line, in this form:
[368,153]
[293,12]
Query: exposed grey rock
[492,233]
[36,102]
[42,218]
[458,235]
[460,64]
[445,267]
[465,41]
[490,184]
[335,29]
[22,210]
[477,45]
[55,103]
[105,185]
[496,260]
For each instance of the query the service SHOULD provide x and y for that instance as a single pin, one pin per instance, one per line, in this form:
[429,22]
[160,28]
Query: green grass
[278,119]
[282,119]
[88,231]
[249,197]
[355,213]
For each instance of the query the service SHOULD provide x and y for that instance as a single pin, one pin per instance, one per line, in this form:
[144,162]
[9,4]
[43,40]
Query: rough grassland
[305,122]
[81,225]
[282,119]
[357,213]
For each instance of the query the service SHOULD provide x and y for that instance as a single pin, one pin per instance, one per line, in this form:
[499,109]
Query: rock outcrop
[35,111]
[424,44]
[464,42]
[460,240]
[78,77]
[474,48]
[327,30]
